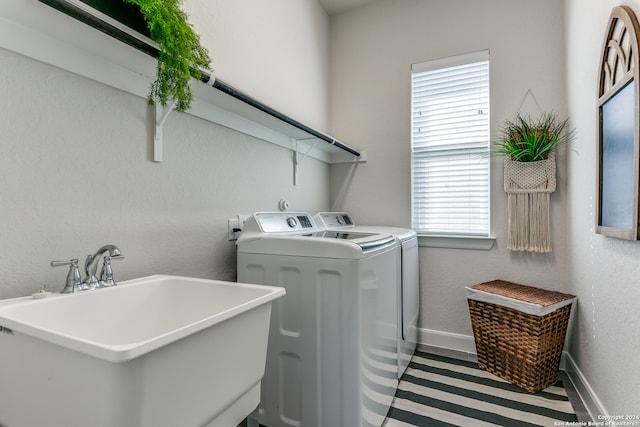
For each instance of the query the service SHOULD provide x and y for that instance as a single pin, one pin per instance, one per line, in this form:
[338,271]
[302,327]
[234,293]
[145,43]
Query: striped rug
[440,391]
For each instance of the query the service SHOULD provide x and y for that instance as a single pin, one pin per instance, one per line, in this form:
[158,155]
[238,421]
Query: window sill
[456,242]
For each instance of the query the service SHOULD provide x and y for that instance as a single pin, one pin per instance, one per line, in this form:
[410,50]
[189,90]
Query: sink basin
[155,351]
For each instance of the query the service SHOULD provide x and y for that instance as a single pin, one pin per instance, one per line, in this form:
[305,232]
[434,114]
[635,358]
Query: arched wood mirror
[619,150]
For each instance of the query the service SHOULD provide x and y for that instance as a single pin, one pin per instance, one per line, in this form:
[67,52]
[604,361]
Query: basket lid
[521,297]
[524,293]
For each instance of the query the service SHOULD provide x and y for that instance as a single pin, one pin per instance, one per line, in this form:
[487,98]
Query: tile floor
[574,398]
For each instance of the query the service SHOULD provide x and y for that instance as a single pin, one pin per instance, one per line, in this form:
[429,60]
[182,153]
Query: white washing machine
[409,294]
[323,367]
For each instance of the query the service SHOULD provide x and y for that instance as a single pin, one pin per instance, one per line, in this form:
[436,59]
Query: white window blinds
[449,145]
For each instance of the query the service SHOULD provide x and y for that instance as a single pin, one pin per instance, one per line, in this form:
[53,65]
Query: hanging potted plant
[181,54]
[529,147]
[525,139]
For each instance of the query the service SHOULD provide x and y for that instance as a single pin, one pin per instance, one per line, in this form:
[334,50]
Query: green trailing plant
[525,139]
[181,55]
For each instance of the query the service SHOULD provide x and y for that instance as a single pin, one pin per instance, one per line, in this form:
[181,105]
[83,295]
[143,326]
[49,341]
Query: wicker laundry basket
[519,331]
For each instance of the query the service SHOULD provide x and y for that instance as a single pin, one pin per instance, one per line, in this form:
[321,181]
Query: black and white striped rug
[440,391]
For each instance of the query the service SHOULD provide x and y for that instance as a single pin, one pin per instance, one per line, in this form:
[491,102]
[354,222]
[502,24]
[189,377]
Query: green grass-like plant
[181,55]
[529,140]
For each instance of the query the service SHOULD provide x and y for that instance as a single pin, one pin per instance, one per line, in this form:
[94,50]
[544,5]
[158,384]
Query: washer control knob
[291,222]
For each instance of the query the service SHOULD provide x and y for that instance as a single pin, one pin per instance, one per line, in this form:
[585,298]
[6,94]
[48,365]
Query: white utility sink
[156,351]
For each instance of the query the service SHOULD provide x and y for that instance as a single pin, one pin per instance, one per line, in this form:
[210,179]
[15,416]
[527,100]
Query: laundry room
[306,108]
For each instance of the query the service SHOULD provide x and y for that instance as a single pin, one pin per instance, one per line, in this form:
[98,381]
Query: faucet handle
[73,281]
[71,262]
[106,274]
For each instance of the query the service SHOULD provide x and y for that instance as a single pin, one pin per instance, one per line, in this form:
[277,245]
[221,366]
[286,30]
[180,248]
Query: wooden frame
[619,131]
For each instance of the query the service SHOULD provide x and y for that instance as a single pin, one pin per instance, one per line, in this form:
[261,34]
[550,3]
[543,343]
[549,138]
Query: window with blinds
[449,145]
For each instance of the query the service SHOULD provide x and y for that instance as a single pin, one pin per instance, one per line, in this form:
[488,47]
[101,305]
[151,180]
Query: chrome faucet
[106,274]
[74,282]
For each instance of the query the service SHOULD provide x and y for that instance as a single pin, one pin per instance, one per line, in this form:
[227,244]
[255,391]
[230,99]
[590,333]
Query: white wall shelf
[96,49]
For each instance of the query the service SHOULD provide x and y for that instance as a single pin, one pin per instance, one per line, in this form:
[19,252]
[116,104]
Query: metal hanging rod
[230,90]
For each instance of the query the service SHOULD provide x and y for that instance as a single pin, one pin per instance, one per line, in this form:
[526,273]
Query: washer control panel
[274,222]
[334,219]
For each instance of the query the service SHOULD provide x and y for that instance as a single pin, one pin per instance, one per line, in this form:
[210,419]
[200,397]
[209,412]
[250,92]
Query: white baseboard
[447,340]
[591,401]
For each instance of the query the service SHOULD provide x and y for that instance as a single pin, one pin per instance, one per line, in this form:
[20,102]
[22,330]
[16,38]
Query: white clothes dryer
[323,365]
[409,292]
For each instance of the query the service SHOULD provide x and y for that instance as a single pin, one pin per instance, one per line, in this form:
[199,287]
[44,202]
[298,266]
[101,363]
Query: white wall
[76,169]
[276,51]
[372,49]
[604,271]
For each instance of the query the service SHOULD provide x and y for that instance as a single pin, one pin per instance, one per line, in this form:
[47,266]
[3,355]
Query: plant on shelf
[525,139]
[181,54]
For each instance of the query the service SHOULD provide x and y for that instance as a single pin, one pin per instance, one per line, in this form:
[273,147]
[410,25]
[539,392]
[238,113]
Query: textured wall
[76,169]
[604,271]
[371,56]
[275,50]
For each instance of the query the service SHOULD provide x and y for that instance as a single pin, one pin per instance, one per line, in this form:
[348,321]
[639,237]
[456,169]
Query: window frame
[483,240]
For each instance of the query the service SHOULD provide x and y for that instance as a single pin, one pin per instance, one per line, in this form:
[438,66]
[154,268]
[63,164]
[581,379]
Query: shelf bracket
[161,113]
[298,158]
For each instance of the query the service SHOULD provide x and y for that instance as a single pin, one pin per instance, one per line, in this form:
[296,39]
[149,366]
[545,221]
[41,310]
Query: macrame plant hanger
[528,186]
